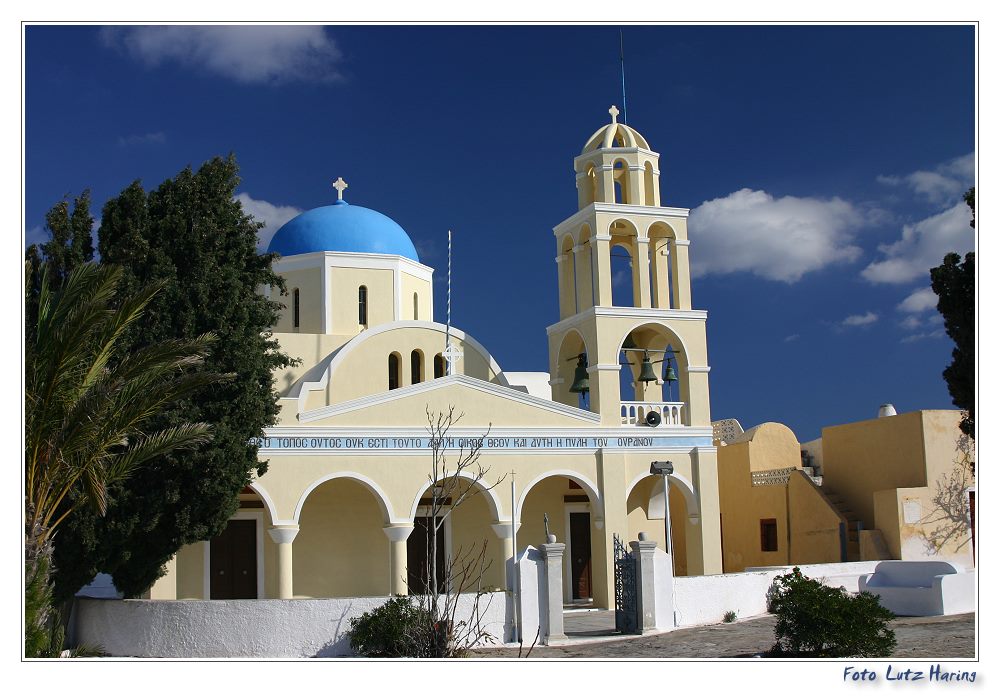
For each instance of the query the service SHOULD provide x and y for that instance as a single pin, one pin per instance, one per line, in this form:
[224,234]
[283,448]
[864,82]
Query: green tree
[70,244]
[954,282]
[819,621]
[88,408]
[191,235]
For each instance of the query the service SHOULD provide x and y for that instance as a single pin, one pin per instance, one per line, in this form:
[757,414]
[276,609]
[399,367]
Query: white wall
[705,599]
[242,628]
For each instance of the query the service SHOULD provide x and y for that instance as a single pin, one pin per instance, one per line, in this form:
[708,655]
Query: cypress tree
[191,234]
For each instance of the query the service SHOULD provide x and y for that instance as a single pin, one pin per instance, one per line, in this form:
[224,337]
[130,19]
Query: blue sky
[824,167]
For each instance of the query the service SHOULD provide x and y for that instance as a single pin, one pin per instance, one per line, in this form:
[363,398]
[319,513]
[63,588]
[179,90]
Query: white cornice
[341,259]
[477,431]
[589,155]
[628,313]
[645,211]
[441,383]
[604,367]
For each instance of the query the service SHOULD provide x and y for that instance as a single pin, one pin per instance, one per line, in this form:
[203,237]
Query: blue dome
[342,227]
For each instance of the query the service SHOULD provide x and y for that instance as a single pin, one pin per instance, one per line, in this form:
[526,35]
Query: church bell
[646,373]
[670,375]
[581,380]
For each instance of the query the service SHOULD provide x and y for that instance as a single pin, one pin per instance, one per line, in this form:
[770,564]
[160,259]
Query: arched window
[416,311]
[393,371]
[363,306]
[438,366]
[295,308]
[416,367]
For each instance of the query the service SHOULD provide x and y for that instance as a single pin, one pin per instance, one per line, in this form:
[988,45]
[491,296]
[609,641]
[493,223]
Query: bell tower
[637,319]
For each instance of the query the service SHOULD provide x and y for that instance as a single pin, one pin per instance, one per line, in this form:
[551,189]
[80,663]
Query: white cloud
[777,239]
[860,319]
[621,279]
[921,336]
[911,322]
[273,216]
[942,185]
[35,235]
[919,301]
[248,54]
[791,337]
[157,138]
[922,246]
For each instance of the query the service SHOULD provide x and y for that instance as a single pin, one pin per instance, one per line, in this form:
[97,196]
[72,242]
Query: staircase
[854,525]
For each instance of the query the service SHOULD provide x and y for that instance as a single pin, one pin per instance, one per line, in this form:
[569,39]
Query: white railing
[634,412]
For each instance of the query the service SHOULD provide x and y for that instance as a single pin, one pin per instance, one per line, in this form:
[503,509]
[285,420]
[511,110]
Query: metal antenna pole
[516,579]
[450,354]
[621,56]
[447,335]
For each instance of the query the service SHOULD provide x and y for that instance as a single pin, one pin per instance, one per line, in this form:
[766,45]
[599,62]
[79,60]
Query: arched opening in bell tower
[653,376]
[625,277]
[566,371]
[622,290]
[623,192]
[661,267]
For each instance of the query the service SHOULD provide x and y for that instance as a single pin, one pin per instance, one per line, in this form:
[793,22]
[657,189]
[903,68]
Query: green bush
[819,621]
[729,617]
[398,628]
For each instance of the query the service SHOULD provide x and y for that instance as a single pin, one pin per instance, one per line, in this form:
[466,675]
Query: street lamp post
[664,469]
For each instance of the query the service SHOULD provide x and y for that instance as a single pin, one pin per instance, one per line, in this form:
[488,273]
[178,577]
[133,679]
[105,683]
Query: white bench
[922,588]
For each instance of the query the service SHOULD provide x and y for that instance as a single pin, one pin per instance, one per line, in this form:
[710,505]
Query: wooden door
[233,562]
[417,556]
[579,535]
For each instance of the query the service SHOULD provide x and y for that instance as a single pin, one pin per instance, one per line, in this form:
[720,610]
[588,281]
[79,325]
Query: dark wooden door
[579,535]
[418,556]
[233,564]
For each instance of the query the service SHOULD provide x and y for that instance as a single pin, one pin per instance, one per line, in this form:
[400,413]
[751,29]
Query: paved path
[934,637]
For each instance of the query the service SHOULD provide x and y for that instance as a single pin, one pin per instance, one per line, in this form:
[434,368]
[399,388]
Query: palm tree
[88,406]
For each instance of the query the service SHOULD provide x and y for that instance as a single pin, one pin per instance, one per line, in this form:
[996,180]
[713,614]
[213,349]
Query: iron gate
[626,597]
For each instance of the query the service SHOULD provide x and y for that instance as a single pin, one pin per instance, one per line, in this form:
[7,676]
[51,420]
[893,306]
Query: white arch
[491,497]
[662,325]
[266,498]
[311,381]
[566,335]
[585,483]
[381,498]
[683,485]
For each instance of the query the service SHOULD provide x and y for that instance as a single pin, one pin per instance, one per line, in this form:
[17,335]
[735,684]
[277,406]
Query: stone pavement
[933,637]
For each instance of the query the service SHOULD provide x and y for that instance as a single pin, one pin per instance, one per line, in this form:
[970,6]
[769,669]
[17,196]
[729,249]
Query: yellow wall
[365,371]
[638,521]
[191,571]
[815,523]
[470,530]
[873,455]
[190,564]
[422,288]
[309,283]
[340,550]
[808,525]
[343,290]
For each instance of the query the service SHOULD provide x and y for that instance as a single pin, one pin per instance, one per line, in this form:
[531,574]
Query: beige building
[905,481]
[890,487]
[347,482]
